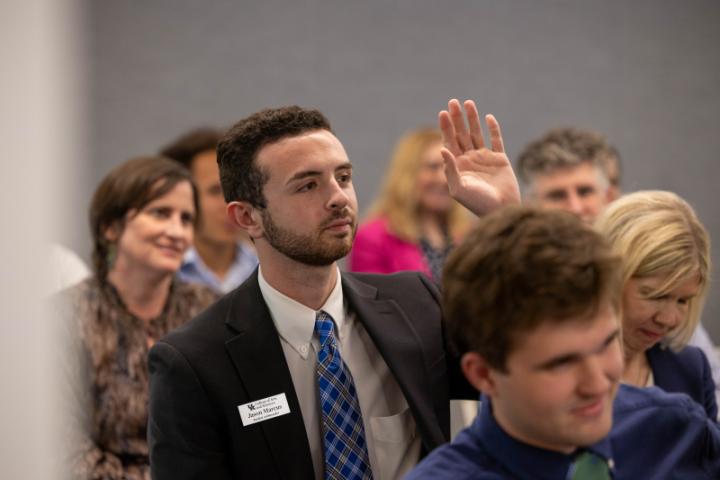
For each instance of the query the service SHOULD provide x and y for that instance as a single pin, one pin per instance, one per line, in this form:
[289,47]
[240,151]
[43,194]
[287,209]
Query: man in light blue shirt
[222,256]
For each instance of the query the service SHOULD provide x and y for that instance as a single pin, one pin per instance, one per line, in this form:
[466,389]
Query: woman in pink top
[414,223]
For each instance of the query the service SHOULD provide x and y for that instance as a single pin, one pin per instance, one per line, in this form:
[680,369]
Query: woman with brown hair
[414,223]
[141,217]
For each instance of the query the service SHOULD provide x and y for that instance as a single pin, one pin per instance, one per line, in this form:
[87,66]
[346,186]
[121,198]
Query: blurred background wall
[42,128]
[646,73]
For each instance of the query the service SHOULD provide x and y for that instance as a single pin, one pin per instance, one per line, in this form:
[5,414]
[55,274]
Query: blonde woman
[414,223]
[666,268]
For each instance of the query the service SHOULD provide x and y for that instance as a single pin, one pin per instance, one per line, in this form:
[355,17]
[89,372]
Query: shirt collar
[194,269]
[191,256]
[521,459]
[294,321]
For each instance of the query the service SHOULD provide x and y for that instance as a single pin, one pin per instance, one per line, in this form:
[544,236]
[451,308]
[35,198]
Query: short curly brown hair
[522,267]
[240,176]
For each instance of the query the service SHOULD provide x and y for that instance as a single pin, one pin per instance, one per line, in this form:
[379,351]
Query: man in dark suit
[242,390]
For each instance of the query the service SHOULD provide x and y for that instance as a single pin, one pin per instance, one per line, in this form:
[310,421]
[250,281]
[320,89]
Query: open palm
[480,178]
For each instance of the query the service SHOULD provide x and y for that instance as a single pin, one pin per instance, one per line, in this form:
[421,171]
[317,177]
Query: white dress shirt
[390,430]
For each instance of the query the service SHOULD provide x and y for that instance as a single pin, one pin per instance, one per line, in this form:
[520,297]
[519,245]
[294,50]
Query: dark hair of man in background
[240,177]
[185,148]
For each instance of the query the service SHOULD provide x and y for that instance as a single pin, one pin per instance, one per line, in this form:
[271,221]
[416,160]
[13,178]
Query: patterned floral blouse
[109,384]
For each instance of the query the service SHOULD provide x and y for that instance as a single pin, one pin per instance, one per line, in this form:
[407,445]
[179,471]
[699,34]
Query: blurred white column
[42,111]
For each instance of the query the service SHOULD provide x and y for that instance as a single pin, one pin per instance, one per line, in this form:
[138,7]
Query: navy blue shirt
[655,435]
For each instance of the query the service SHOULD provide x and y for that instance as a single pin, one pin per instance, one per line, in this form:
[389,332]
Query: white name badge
[264,409]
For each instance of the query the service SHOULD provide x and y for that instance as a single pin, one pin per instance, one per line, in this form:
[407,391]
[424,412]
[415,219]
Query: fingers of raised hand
[461,130]
[460,137]
[473,118]
[448,133]
[496,140]
[451,169]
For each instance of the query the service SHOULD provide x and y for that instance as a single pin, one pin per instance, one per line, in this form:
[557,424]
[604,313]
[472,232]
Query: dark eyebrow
[573,356]
[302,175]
[344,166]
[314,173]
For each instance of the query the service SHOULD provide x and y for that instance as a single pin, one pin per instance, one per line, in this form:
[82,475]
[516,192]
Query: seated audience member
[222,256]
[532,300]
[247,389]
[141,218]
[414,223]
[566,169]
[665,253]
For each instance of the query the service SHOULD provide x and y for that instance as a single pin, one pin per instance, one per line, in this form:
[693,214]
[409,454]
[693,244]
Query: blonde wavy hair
[658,233]
[399,200]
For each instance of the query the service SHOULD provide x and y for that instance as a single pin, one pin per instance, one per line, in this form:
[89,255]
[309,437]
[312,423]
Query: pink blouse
[377,250]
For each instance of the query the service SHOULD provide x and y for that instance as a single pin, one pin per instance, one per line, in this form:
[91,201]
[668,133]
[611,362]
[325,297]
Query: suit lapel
[399,345]
[661,368]
[260,361]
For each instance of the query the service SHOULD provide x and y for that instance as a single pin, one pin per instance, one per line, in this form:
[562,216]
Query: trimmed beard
[307,249]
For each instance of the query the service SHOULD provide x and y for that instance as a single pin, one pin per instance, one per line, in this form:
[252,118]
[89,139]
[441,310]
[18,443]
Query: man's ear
[479,373]
[247,217]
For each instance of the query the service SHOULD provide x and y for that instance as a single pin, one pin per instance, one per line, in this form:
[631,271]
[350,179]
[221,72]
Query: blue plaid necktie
[346,455]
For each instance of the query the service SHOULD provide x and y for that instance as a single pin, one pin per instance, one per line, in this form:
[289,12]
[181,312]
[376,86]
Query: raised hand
[479,178]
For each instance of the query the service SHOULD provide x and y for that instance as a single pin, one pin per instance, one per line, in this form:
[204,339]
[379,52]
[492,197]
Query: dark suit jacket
[231,355]
[686,371]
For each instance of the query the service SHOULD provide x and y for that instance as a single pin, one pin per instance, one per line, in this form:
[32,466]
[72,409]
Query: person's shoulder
[84,295]
[457,461]
[651,404]
[687,352]
[209,325]
[669,426]
[691,354]
[390,282]
[411,292]
[88,286]
[689,360]
[199,295]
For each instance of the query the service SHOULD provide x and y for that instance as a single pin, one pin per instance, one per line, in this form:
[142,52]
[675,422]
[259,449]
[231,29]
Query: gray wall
[646,73]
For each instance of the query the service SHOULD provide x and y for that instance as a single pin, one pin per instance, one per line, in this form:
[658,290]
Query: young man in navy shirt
[532,297]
